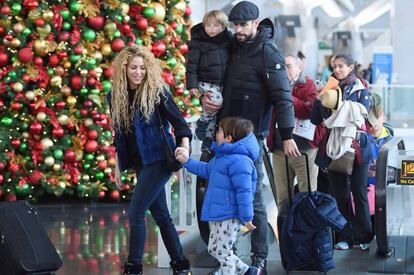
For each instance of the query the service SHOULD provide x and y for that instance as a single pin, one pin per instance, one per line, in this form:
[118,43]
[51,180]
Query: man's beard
[244,37]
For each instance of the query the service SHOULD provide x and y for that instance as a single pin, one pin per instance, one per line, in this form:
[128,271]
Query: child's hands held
[182,154]
[249,225]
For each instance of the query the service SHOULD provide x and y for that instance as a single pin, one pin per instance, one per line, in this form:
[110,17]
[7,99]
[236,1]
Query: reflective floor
[93,238]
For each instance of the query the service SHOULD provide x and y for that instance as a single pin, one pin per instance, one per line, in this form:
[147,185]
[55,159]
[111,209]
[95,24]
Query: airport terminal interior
[56,143]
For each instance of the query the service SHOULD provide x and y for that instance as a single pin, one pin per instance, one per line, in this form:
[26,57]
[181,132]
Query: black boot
[132,269]
[260,264]
[180,267]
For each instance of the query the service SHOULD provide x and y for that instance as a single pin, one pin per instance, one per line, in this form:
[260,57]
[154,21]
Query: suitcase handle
[288,179]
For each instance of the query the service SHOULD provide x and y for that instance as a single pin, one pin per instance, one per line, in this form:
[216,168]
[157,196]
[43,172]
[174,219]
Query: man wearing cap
[255,81]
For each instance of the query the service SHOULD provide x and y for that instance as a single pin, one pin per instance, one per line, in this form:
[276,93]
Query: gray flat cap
[244,11]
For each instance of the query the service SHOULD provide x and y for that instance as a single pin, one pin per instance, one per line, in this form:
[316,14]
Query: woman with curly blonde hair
[138,95]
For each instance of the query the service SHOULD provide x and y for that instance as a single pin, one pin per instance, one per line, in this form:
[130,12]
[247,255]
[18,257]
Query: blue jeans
[150,194]
[259,235]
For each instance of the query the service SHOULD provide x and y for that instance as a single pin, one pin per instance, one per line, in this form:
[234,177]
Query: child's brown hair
[217,16]
[236,127]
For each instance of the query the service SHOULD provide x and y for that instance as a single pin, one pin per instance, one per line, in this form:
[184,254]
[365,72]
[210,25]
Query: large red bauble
[58,132]
[54,60]
[4,59]
[184,49]
[35,177]
[1,179]
[142,23]
[15,106]
[108,72]
[92,134]
[25,55]
[117,45]
[158,48]
[78,50]
[5,10]
[70,155]
[36,128]
[115,195]
[96,23]
[38,61]
[91,146]
[76,82]
[187,11]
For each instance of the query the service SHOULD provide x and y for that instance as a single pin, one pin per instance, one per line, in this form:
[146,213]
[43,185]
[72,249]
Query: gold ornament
[106,49]
[56,81]
[100,157]
[78,155]
[18,87]
[47,143]
[85,177]
[88,122]
[124,9]
[180,7]
[48,15]
[67,64]
[25,135]
[159,14]
[56,167]
[18,27]
[66,91]
[109,29]
[84,72]
[41,47]
[49,161]
[59,70]
[98,56]
[41,116]
[34,14]
[108,171]
[44,31]
[62,184]
[63,119]
[30,95]
[15,43]
[98,71]
[71,100]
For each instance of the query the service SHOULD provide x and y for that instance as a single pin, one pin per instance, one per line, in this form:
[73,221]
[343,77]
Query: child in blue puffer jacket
[228,203]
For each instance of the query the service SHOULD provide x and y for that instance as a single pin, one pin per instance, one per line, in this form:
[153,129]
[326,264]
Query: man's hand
[290,148]
[182,154]
[208,105]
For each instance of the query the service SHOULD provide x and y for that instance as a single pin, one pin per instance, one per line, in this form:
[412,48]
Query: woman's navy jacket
[148,134]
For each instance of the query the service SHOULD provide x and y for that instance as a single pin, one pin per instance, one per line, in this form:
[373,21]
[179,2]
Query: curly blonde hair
[147,94]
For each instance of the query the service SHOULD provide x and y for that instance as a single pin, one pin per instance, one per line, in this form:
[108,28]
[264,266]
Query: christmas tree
[55,70]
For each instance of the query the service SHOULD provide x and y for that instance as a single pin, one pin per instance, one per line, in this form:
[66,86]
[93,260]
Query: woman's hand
[182,154]
[118,182]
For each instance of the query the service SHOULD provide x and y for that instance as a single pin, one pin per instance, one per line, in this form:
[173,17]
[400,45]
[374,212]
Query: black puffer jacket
[208,57]
[256,79]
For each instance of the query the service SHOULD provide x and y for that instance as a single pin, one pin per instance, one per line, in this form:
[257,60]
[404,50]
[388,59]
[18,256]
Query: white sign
[304,128]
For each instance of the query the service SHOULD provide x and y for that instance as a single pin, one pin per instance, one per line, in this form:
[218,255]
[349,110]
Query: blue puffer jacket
[305,238]
[231,178]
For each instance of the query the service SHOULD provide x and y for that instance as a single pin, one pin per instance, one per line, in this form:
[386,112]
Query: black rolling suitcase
[282,216]
[25,247]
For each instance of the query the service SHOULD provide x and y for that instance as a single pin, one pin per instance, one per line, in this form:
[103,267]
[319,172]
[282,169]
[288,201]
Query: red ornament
[36,128]
[78,50]
[92,134]
[88,103]
[25,55]
[58,132]
[26,78]
[96,23]
[115,195]
[4,59]
[10,197]
[13,168]
[91,81]
[15,106]
[158,48]
[35,177]
[142,23]
[101,195]
[76,82]
[71,126]
[174,25]
[5,10]
[187,11]
[91,146]
[108,72]
[63,36]
[15,143]
[39,22]
[102,165]
[60,105]
[117,45]
[84,113]
[183,48]
[1,179]
[53,60]
[38,61]
[105,148]
[70,155]
[2,166]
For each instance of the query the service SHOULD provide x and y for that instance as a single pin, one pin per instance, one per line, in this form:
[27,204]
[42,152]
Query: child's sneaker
[342,246]
[364,246]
